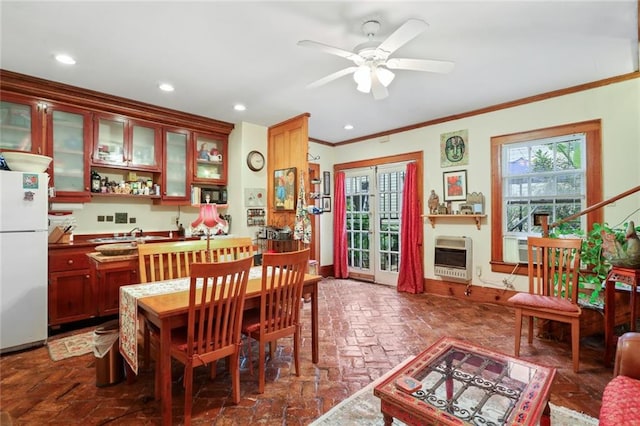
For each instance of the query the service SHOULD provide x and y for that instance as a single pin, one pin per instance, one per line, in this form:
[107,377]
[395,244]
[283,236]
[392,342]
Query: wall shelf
[475,217]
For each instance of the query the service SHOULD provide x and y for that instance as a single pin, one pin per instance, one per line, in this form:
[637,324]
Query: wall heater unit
[453,258]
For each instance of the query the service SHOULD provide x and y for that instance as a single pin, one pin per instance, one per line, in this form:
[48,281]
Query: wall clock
[255,160]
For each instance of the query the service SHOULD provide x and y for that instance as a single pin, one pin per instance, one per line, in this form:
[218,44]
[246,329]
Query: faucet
[134,231]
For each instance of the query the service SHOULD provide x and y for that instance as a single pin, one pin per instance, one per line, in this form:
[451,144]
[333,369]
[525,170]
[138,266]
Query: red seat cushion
[543,302]
[621,402]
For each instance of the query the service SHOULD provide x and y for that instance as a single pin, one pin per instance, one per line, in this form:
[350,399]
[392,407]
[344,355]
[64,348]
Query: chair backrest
[554,265]
[216,303]
[282,281]
[165,261]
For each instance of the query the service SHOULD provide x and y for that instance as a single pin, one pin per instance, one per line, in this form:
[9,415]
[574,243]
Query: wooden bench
[165,261]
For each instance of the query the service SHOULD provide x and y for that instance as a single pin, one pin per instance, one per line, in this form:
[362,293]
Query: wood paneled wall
[288,146]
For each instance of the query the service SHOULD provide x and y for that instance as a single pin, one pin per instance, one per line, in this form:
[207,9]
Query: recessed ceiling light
[65,59]
[166,87]
[239,107]
[348,127]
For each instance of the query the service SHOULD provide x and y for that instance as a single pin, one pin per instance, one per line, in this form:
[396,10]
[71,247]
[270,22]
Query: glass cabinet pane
[209,161]
[176,165]
[15,126]
[110,140]
[143,146]
[68,151]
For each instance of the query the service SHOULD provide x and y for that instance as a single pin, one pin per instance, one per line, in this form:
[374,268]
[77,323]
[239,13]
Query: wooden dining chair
[279,312]
[554,265]
[172,260]
[213,331]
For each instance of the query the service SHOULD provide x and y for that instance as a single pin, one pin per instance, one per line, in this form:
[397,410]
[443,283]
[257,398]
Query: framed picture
[326,204]
[284,182]
[454,148]
[326,183]
[455,185]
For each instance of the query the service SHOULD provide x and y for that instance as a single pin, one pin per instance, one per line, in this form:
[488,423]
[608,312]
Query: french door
[373,217]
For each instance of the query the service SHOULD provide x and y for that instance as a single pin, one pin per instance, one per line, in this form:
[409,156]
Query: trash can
[109,362]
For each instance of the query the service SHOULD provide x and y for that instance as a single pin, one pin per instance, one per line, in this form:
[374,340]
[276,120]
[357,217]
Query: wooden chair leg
[146,342]
[530,329]
[261,366]
[518,332]
[575,344]
[188,397]
[234,369]
[296,350]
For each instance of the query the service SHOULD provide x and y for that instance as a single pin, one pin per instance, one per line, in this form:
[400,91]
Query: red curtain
[340,269]
[411,274]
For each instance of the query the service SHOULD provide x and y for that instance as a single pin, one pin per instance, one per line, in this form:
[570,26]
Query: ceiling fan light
[362,76]
[385,76]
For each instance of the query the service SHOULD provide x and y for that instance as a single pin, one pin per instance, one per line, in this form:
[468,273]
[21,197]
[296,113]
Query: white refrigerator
[23,260]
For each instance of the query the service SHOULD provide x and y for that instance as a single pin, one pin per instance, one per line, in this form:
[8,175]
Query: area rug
[67,347]
[363,409]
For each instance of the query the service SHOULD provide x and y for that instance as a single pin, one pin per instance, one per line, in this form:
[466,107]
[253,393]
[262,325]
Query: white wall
[617,105]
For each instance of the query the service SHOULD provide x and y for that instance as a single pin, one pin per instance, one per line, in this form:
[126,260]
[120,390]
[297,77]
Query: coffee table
[459,383]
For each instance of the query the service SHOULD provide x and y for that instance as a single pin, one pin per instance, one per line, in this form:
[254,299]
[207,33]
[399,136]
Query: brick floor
[365,330]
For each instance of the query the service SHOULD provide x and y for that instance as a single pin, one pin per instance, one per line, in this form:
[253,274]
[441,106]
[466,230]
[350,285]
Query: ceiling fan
[371,58]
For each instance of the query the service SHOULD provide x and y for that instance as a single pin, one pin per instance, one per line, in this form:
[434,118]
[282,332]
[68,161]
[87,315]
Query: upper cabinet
[210,159]
[82,129]
[20,124]
[176,177]
[69,135]
[123,142]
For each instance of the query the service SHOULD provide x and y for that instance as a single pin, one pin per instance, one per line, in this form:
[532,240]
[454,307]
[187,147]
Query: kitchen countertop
[101,258]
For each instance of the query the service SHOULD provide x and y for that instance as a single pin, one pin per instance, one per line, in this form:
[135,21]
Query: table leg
[165,373]
[314,323]
[609,319]
[388,420]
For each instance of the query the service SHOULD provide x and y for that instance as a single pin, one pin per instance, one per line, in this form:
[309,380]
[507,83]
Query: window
[542,176]
[555,171]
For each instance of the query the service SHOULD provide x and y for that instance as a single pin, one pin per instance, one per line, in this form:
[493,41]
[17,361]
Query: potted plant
[597,255]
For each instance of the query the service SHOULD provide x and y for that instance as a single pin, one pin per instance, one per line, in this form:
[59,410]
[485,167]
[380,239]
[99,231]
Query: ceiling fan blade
[407,31]
[377,88]
[330,49]
[331,77]
[427,65]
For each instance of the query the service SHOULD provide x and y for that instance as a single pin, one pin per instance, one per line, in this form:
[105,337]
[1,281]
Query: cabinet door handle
[87,276]
[70,262]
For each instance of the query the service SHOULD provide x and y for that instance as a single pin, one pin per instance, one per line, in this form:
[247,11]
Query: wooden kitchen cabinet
[176,175]
[126,143]
[71,292]
[210,159]
[109,277]
[20,124]
[69,136]
[119,134]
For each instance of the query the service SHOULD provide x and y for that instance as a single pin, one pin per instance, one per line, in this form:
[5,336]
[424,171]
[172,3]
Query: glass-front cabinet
[68,137]
[176,170]
[126,143]
[20,124]
[210,159]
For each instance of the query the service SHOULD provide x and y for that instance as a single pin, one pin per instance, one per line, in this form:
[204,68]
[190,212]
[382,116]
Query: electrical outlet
[478,271]
[175,220]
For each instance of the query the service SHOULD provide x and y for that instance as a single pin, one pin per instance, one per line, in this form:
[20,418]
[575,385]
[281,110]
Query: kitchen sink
[125,238]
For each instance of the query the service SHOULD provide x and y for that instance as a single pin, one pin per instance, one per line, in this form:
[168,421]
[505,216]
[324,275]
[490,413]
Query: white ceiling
[219,53]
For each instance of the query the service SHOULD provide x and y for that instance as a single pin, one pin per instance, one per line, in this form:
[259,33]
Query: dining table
[166,303]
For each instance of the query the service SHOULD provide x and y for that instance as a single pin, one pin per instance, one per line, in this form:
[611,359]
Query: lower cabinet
[81,287]
[71,290]
[110,276]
